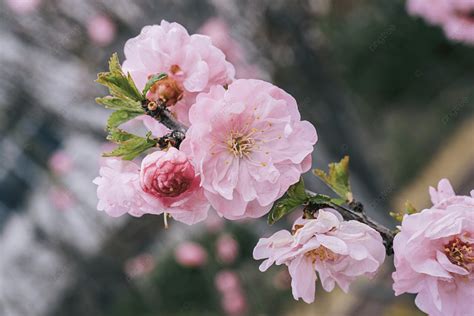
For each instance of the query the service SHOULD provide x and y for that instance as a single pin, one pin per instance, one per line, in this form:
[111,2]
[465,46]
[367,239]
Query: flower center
[239,144]
[460,253]
[321,254]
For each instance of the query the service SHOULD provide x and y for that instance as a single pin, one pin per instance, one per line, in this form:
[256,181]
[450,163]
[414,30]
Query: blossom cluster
[245,145]
[454,16]
[243,152]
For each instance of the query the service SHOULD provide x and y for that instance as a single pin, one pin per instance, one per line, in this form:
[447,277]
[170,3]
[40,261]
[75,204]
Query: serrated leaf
[119,84]
[119,117]
[408,209]
[114,63]
[152,81]
[115,103]
[118,136]
[294,197]
[130,146]
[337,178]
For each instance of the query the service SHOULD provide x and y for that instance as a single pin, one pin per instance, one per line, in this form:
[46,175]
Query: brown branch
[160,113]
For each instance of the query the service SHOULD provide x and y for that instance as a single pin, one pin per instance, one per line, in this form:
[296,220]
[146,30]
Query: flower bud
[166,91]
[166,173]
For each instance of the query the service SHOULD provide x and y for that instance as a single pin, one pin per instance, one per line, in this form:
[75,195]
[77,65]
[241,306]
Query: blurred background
[379,85]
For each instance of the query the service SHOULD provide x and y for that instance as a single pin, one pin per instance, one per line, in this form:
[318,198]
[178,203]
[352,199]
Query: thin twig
[360,216]
[160,113]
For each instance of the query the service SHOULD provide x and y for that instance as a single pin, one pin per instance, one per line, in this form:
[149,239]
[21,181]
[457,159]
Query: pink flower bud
[190,254]
[227,248]
[166,173]
[168,91]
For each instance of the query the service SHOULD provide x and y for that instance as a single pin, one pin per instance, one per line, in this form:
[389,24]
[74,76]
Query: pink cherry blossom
[190,254]
[338,250]
[169,179]
[192,64]
[119,190]
[101,30]
[434,254]
[454,16]
[249,146]
[227,248]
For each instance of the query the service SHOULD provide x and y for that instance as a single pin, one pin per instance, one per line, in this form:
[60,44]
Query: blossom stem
[359,215]
[164,116]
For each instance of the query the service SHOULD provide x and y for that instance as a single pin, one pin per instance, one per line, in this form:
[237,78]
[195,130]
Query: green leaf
[119,84]
[408,209]
[115,103]
[118,136]
[119,117]
[130,146]
[294,197]
[152,81]
[338,178]
[319,199]
[114,64]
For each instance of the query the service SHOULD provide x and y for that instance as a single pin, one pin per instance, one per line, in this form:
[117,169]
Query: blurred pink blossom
[338,250]
[214,222]
[234,303]
[226,281]
[60,162]
[190,254]
[434,254]
[23,6]
[218,30]
[61,198]
[227,248]
[233,300]
[101,30]
[454,16]
[251,145]
[139,266]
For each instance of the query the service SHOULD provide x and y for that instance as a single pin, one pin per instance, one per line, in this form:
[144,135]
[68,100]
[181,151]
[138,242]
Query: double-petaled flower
[339,251]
